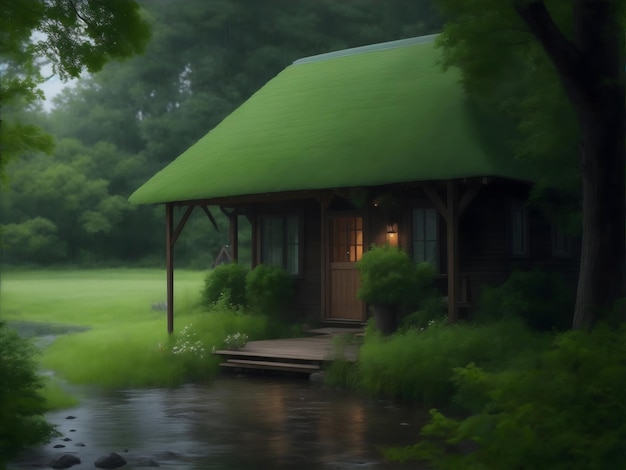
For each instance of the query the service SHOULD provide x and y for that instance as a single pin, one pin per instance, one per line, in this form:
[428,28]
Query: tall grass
[126,344]
[418,365]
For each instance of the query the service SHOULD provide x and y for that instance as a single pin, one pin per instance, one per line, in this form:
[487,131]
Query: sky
[53,86]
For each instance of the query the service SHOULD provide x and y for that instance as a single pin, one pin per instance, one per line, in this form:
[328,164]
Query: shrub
[426,299]
[567,410]
[269,289]
[542,299]
[387,276]
[227,282]
[21,404]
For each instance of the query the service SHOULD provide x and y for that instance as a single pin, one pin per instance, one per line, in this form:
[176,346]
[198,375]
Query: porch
[304,355]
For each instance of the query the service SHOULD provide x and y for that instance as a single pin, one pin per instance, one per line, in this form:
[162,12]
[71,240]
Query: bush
[387,276]
[566,411]
[269,289]
[21,404]
[418,365]
[542,299]
[227,282]
[426,298]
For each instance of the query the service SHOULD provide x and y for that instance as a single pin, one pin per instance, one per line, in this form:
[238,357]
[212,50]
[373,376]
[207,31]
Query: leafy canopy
[72,36]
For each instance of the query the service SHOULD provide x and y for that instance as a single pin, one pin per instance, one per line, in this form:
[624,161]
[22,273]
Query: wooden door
[345,243]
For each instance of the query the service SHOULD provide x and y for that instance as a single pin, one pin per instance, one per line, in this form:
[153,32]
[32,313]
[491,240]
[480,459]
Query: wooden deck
[299,355]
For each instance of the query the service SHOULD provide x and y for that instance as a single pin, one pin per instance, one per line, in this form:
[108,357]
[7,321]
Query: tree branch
[563,53]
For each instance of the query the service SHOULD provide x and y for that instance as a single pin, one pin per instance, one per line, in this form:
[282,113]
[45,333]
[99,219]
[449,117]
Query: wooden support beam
[233,235]
[452,232]
[169,256]
[467,198]
[233,231]
[254,236]
[434,197]
[324,199]
[210,216]
[181,224]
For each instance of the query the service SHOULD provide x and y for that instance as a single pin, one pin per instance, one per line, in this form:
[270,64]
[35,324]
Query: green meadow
[122,341]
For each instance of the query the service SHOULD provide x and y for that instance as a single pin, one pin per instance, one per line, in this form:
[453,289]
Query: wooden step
[269,365]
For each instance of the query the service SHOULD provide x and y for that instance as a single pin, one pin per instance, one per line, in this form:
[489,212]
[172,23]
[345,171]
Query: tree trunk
[602,277]
[591,68]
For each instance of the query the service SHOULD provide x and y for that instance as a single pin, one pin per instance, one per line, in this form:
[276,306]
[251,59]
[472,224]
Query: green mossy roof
[362,117]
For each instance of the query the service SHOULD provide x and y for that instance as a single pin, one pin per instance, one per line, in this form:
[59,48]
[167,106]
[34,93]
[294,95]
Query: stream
[235,422]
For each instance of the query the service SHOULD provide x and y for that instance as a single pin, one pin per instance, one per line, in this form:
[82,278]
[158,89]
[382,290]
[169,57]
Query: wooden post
[452,230]
[324,199]
[233,231]
[254,239]
[169,255]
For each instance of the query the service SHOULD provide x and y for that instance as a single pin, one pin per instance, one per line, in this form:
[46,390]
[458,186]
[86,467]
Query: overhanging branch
[563,53]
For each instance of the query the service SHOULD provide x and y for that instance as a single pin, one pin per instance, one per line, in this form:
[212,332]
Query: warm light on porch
[392,234]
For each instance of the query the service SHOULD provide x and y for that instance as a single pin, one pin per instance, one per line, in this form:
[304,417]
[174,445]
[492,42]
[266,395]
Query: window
[280,242]
[519,230]
[346,239]
[426,236]
[560,243]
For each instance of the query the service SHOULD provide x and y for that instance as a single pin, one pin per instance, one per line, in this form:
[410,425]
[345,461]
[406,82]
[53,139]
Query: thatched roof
[367,116]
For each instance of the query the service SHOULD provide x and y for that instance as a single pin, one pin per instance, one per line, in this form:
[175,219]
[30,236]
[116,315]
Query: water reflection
[236,423]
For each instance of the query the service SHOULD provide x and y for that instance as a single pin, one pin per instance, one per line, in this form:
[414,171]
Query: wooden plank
[272,364]
[452,229]
[169,257]
[315,348]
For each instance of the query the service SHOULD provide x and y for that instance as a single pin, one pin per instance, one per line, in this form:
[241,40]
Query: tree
[581,42]
[72,36]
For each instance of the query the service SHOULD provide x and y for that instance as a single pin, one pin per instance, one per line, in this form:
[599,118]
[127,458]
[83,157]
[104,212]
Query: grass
[418,366]
[92,297]
[125,343]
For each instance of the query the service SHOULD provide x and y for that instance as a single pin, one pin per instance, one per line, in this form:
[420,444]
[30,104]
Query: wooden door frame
[326,217]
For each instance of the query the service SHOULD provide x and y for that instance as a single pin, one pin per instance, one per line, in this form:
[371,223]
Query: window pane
[293,263]
[272,241]
[431,253]
[419,251]
[431,225]
[293,245]
[418,224]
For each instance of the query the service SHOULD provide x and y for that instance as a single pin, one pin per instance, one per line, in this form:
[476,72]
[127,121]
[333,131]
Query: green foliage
[145,356]
[418,365]
[21,405]
[565,410]
[226,282]
[269,289]
[387,276]
[542,299]
[33,240]
[73,37]
[505,67]
[427,300]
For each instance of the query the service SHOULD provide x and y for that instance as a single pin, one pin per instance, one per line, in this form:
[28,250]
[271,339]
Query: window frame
[438,255]
[285,245]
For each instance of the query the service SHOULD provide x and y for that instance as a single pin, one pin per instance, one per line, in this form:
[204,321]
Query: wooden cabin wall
[307,303]
[485,252]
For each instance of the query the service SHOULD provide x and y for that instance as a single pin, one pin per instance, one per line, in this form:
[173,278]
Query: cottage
[375,144]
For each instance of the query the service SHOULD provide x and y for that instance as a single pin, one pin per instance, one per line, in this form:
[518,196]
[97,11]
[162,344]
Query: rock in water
[65,461]
[112,460]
